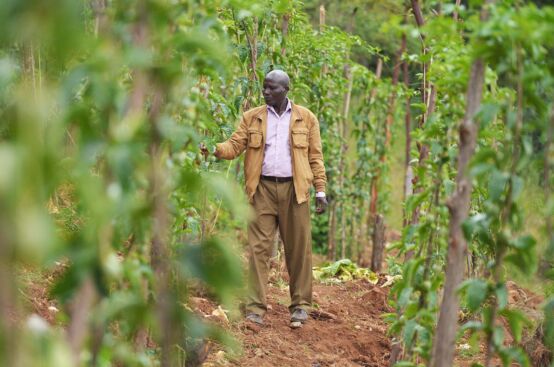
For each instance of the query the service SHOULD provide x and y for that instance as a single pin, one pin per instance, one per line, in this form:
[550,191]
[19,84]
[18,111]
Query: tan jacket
[307,156]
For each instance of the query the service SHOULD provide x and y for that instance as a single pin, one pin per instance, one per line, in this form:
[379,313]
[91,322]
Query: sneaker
[255,318]
[299,315]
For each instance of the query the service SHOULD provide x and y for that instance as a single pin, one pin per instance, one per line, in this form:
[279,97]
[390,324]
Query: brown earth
[348,332]
[355,338]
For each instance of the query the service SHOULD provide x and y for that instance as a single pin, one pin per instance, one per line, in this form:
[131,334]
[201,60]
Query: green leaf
[472,325]
[507,355]
[215,264]
[405,296]
[497,184]
[487,114]
[473,224]
[409,332]
[516,319]
[476,293]
[517,187]
[498,336]
[549,323]
[501,296]
[524,257]
[523,243]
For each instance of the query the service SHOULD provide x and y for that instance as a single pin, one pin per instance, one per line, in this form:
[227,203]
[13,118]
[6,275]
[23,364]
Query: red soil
[356,338]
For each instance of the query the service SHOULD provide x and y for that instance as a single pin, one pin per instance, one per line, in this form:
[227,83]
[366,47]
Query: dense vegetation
[437,120]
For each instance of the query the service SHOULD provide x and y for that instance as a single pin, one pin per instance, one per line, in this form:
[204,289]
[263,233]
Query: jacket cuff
[320,187]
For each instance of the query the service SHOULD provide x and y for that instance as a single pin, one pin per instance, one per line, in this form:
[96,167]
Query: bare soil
[356,337]
[347,331]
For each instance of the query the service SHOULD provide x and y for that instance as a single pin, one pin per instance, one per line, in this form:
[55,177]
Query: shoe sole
[295,325]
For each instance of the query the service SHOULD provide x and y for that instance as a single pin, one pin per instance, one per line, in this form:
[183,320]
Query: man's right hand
[204,150]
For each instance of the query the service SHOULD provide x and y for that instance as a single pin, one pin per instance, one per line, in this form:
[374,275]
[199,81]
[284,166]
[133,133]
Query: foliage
[513,117]
[342,271]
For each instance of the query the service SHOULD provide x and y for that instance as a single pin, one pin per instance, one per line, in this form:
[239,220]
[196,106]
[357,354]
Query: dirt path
[356,338]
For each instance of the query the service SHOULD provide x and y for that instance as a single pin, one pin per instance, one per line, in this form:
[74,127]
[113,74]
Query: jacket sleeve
[315,157]
[235,145]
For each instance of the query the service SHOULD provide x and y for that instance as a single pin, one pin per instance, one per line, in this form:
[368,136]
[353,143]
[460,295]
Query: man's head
[276,87]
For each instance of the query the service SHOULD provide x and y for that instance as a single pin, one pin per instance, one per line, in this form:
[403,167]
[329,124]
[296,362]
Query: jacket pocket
[254,138]
[300,138]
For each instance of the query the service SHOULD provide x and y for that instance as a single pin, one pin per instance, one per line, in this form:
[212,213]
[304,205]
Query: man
[283,159]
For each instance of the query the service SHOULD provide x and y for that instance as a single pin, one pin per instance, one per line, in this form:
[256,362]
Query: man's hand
[204,150]
[320,205]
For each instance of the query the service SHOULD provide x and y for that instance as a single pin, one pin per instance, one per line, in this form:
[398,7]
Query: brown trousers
[275,206]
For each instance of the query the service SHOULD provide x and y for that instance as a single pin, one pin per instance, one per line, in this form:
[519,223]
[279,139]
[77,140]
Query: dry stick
[383,157]
[547,165]
[284,33]
[8,299]
[455,14]
[458,205]
[388,123]
[253,76]
[331,242]
[344,147]
[429,97]
[100,21]
[325,67]
[548,152]
[372,95]
[408,176]
[343,129]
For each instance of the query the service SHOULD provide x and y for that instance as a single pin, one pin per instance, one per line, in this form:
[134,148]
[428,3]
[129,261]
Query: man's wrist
[320,194]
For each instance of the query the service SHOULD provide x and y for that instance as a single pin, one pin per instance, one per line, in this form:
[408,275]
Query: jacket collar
[296,114]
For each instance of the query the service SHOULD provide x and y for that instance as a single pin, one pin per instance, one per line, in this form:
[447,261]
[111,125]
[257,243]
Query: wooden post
[343,150]
[458,205]
[322,13]
[378,244]
[388,125]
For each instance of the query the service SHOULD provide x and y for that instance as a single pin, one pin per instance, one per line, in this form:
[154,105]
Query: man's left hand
[320,205]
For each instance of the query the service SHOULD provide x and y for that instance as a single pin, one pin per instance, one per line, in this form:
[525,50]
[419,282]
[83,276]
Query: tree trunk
[378,244]
[417,13]
[458,205]
[79,312]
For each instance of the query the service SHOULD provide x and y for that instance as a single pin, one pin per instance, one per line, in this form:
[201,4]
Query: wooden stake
[458,205]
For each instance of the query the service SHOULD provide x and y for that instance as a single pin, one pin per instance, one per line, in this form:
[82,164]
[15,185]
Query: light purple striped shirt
[277,157]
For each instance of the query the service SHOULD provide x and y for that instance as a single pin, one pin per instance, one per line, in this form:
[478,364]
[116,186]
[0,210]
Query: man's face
[274,92]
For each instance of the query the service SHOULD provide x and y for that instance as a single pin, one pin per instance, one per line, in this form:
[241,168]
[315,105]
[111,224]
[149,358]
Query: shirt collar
[289,107]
